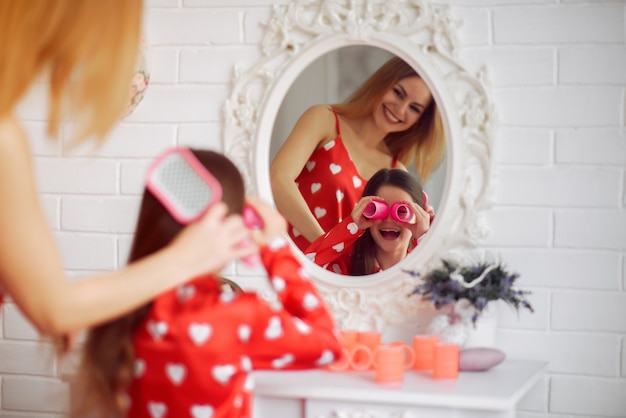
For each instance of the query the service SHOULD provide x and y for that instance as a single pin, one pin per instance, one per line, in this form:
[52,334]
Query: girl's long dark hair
[363,259]
[106,368]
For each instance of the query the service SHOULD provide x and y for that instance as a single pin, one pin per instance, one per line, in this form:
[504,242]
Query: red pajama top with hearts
[333,250]
[196,347]
[330,184]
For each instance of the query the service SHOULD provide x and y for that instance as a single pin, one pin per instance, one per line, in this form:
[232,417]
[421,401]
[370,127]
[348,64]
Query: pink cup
[446,361]
[389,363]
[424,349]
[371,340]
[348,339]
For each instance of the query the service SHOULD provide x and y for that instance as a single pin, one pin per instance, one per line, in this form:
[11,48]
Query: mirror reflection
[351,113]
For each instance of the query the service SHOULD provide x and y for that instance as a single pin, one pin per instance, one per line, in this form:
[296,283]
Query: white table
[325,394]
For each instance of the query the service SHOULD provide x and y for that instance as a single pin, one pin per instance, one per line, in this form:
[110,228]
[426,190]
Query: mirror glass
[332,78]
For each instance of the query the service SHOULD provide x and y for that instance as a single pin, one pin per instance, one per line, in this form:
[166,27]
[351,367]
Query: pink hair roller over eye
[376,209]
[183,185]
[402,212]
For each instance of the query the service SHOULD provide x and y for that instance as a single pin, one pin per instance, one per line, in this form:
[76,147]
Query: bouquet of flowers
[477,284]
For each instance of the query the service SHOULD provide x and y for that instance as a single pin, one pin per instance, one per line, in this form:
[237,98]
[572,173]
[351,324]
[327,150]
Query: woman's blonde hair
[423,144]
[87,49]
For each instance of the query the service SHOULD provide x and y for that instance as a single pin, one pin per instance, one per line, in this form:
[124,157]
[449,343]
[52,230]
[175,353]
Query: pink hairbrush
[183,185]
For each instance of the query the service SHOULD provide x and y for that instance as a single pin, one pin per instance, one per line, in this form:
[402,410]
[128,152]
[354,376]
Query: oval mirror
[424,35]
[332,78]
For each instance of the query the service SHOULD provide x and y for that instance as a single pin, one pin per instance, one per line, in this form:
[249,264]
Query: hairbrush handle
[376,209]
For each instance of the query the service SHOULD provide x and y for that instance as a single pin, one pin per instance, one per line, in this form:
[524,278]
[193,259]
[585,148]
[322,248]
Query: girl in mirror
[190,351]
[359,245]
[88,69]
[318,175]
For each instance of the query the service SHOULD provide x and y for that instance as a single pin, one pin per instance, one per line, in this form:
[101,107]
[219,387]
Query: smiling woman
[390,121]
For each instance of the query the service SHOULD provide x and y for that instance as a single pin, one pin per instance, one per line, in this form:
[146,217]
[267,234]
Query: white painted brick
[131,140]
[474,29]
[590,229]
[552,107]
[589,311]
[509,317]
[34,394]
[605,146]
[609,65]
[511,67]
[27,358]
[201,136]
[233,3]
[587,354]
[133,175]
[558,187]
[163,65]
[41,144]
[255,22]
[593,397]
[561,24]
[519,227]
[554,268]
[523,146]
[51,209]
[149,4]
[199,66]
[624,357]
[16,326]
[87,252]
[34,104]
[192,27]
[76,176]
[176,104]
[113,215]
[124,244]
[537,397]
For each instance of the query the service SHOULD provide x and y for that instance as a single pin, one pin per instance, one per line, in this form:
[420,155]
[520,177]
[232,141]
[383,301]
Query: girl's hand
[208,245]
[357,213]
[274,225]
[422,220]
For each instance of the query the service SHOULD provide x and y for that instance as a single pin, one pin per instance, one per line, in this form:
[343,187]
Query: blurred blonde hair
[87,49]
[423,144]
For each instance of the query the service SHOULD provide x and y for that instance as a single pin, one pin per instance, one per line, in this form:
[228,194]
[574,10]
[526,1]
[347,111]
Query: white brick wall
[558,71]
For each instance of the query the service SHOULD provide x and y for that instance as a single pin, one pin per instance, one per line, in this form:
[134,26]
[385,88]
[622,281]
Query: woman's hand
[207,245]
[274,225]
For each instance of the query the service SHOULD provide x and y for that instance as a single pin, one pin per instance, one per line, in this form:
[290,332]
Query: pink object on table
[479,358]
[424,348]
[446,361]
[389,363]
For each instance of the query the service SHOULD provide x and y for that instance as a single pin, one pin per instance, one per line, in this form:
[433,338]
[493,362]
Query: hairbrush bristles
[183,185]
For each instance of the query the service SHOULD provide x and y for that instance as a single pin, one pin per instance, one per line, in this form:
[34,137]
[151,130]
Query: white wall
[558,69]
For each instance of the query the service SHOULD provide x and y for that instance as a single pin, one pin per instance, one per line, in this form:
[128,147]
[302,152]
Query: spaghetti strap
[337,127]
[394,162]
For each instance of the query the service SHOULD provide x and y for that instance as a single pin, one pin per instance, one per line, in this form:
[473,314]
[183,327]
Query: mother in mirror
[319,173]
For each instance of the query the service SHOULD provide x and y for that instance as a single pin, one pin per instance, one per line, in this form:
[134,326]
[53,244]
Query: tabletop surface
[499,388]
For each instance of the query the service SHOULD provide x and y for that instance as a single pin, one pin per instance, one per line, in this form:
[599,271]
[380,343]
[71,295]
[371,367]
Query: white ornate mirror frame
[425,36]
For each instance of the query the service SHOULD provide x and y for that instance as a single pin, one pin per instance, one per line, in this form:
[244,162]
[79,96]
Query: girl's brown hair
[107,363]
[86,49]
[363,259]
[423,144]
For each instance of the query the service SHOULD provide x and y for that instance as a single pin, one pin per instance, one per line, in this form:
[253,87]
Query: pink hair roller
[182,185]
[402,212]
[425,199]
[376,209]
